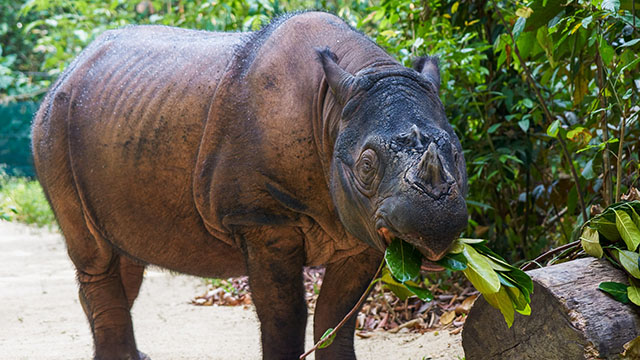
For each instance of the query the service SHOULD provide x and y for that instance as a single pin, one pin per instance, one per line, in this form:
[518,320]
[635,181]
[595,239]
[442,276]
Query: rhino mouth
[387,234]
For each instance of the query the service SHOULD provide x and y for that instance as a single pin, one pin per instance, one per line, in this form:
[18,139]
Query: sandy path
[41,318]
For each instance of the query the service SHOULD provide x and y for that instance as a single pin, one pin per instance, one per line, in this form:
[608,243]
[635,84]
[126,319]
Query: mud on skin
[218,154]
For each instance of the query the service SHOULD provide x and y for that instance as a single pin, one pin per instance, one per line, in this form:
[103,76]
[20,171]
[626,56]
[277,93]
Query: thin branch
[347,317]
[19,97]
[537,260]
[606,160]
[619,160]
[547,113]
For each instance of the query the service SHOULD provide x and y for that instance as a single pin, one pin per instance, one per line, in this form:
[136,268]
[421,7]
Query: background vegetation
[543,94]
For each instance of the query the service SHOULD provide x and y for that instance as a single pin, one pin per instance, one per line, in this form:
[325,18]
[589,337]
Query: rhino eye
[367,167]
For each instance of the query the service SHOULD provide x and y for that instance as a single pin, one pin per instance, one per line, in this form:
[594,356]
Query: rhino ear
[428,66]
[342,83]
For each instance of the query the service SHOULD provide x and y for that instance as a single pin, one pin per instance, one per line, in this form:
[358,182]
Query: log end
[570,319]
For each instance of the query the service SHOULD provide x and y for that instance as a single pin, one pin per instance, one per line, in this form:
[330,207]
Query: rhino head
[397,168]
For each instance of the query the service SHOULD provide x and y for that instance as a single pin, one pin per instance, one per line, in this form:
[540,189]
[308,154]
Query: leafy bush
[23,200]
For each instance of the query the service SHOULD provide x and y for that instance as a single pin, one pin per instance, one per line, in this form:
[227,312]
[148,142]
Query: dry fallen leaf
[447,317]
[466,305]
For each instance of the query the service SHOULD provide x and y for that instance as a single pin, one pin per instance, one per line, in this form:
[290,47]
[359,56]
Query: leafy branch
[541,101]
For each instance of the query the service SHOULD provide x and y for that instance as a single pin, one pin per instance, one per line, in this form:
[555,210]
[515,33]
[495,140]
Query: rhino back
[138,101]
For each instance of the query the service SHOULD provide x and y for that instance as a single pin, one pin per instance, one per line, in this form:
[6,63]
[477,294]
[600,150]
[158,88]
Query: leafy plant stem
[346,317]
[547,113]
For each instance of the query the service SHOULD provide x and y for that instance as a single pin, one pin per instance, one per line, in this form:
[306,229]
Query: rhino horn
[429,168]
[342,83]
[416,137]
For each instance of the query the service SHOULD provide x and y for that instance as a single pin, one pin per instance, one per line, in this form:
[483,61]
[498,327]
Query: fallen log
[570,318]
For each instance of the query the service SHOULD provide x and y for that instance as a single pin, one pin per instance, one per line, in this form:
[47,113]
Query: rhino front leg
[275,258]
[343,284]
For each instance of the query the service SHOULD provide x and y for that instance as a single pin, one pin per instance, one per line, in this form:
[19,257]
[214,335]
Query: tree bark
[570,318]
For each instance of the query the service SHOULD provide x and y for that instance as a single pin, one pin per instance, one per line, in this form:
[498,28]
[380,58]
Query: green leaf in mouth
[403,260]
[504,286]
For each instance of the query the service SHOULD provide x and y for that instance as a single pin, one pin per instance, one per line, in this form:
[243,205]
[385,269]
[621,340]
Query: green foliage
[402,273]
[23,200]
[617,231]
[503,286]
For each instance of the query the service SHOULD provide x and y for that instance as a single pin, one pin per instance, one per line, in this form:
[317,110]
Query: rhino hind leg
[104,300]
[338,295]
[108,282]
[275,259]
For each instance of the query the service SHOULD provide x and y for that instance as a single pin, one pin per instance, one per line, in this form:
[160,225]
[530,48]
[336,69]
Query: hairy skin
[218,154]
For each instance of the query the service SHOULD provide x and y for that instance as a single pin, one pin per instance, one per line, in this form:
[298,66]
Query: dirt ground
[41,318]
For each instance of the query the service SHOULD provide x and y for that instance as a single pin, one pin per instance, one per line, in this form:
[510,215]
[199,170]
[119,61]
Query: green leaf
[526,311]
[635,216]
[634,294]
[588,172]
[611,5]
[629,43]
[395,287]
[329,341]
[479,272]
[628,230]
[422,293]
[523,280]
[493,128]
[501,301]
[497,266]
[617,290]
[456,247]
[472,241]
[590,241]
[403,260]
[506,281]
[455,262]
[518,299]
[519,27]
[478,282]
[606,228]
[553,129]
[629,260]
[542,13]
[524,125]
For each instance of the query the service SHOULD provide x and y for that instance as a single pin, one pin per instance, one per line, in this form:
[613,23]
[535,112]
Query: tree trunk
[570,318]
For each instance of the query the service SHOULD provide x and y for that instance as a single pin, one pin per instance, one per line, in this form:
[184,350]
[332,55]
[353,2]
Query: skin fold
[222,154]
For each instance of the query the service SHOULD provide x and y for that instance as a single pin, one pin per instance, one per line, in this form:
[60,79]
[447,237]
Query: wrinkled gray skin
[407,174]
[221,154]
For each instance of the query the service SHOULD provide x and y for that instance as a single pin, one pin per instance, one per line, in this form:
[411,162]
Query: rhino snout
[431,225]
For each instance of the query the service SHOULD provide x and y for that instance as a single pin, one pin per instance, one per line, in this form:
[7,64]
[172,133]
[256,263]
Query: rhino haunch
[221,154]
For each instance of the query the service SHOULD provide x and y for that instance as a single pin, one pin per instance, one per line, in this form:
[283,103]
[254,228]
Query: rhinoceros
[259,153]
